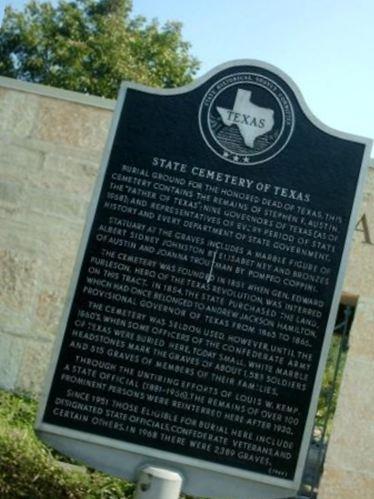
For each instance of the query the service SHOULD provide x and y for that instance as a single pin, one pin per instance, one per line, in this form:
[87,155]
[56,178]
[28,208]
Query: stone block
[69,174]
[18,280]
[48,312]
[10,193]
[353,426]
[18,112]
[61,149]
[3,92]
[346,484]
[60,250]
[20,164]
[361,336]
[51,242]
[15,323]
[356,280]
[34,364]
[24,235]
[11,350]
[85,206]
[72,124]
[368,191]
[52,203]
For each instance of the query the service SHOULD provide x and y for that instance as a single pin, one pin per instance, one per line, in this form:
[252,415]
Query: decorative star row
[236,158]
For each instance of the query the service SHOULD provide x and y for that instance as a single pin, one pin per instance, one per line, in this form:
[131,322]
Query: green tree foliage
[91,46]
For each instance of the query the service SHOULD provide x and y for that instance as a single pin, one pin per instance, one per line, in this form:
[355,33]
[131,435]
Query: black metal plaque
[209,273]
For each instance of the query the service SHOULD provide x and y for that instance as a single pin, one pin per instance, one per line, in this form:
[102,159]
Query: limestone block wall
[50,147]
[349,467]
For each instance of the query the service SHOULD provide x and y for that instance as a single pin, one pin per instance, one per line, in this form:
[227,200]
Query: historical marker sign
[211,267]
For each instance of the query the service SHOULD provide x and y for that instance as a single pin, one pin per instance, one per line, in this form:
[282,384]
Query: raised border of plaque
[201,477]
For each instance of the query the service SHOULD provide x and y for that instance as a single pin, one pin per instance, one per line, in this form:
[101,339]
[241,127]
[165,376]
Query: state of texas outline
[251,120]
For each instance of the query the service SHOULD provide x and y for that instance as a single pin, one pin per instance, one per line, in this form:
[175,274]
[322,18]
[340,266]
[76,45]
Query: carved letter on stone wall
[363,226]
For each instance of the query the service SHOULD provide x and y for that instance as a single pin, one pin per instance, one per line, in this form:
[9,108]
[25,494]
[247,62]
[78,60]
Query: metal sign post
[158,483]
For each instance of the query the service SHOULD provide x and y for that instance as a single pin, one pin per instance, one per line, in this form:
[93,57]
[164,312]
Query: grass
[329,394]
[29,469]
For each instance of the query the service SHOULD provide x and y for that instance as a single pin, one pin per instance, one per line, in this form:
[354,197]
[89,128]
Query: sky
[325,46]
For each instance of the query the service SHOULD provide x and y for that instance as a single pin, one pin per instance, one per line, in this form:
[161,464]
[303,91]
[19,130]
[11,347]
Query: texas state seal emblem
[246,118]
